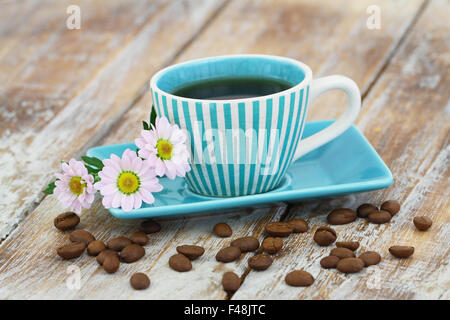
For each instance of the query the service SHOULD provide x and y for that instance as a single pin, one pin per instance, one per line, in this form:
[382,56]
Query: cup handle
[318,87]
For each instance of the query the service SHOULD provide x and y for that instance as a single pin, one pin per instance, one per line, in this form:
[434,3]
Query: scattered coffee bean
[139,281]
[191,252]
[352,245]
[150,226]
[341,216]
[299,278]
[350,265]
[379,217]
[272,245]
[260,262]
[325,236]
[279,229]
[95,247]
[370,258]
[391,206]
[180,263]
[228,254]
[329,262]
[342,253]
[71,250]
[401,251]
[422,223]
[132,253]
[66,221]
[111,263]
[230,282]
[246,244]
[118,243]
[223,230]
[139,238]
[106,253]
[365,209]
[81,236]
[298,225]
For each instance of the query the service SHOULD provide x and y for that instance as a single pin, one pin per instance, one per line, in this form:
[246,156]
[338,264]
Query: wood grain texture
[29,267]
[415,144]
[65,94]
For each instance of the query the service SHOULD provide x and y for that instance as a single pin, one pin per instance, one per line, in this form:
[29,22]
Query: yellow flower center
[128,182]
[76,185]
[165,149]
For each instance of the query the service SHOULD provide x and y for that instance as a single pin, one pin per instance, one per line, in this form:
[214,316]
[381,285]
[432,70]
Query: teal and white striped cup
[245,146]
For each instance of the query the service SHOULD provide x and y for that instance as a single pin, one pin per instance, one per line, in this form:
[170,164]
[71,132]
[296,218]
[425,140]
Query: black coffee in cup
[232,88]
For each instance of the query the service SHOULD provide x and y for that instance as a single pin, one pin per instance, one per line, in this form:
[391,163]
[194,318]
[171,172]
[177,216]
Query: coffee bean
[111,263]
[299,278]
[370,258]
[223,230]
[365,209]
[230,282]
[118,243]
[341,216]
[139,281]
[246,244]
[342,253]
[272,245]
[139,238]
[179,262]
[132,253]
[329,262]
[150,226]
[228,254]
[279,229]
[81,236]
[66,221]
[260,262]
[106,253]
[324,236]
[379,217]
[71,250]
[298,225]
[95,247]
[422,223]
[350,265]
[191,252]
[391,206]
[352,245]
[401,251]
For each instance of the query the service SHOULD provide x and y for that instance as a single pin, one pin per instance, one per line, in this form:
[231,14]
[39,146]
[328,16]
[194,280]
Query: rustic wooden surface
[63,91]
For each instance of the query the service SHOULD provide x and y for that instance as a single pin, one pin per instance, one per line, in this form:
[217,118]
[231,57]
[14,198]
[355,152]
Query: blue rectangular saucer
[348,164]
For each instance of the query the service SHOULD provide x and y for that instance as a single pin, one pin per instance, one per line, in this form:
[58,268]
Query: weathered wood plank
[78,83]
[406,118]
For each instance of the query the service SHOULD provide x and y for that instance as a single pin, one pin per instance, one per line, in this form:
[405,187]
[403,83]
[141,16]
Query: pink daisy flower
[127,181]
[165,148]
[74,187]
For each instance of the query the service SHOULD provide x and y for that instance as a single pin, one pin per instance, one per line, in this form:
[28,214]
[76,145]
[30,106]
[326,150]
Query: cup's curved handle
[318,87]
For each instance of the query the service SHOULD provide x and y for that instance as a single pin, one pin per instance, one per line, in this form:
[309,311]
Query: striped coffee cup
[245,146]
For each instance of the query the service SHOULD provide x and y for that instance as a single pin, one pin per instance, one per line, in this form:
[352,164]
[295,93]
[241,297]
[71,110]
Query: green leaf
[95,162]
[153,115]
[137,151]
[92,170]
[145,125]
[50,188]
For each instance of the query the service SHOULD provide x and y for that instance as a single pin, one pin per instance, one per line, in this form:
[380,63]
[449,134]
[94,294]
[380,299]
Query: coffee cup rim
[306,69]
